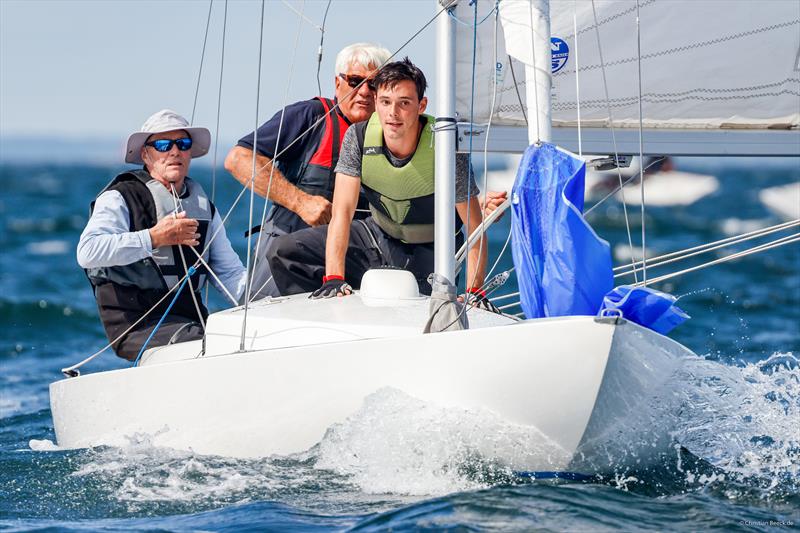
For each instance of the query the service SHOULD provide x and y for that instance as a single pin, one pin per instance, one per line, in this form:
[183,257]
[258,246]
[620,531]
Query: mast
[445,144]
[539,71]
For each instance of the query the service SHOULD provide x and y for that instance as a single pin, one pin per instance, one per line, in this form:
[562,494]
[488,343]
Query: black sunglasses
[165,145]
[355,81]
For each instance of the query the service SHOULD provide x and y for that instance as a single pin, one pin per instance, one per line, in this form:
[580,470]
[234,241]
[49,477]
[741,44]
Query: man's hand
[314,210]
[332,286]
[493,201]
[175,230]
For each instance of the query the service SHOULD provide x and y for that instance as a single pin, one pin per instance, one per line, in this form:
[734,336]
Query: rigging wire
[641,148]
[763,247]
[319,51]
[219,107]
[252,189]
[708,247]
[301,15]
[577,76]
[202,57]
[277,144]
[613,134]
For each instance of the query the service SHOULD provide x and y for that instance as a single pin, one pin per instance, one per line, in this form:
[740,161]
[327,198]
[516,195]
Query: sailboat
[270,378]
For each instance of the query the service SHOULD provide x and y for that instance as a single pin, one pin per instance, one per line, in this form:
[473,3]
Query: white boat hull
[579,382]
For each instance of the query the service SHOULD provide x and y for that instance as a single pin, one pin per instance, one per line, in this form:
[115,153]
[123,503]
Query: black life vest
[124,293]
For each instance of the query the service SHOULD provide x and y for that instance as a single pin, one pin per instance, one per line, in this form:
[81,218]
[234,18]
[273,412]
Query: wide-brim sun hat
[163,121]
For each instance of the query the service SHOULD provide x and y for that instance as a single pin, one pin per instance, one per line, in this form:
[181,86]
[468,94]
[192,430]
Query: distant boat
[664,186]
[783,200]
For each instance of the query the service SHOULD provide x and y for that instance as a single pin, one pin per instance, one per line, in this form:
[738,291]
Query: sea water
[399,463]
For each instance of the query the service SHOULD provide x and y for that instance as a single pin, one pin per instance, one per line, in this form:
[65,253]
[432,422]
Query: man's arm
[314,210]
[477,256]
[345,200]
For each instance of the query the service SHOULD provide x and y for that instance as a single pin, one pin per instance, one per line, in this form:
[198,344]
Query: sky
[97,69]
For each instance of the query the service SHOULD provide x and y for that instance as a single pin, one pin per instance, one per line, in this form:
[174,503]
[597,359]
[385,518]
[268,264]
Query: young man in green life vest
[390,156]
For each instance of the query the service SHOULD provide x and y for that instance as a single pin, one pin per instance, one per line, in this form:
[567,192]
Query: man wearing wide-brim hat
[150,228]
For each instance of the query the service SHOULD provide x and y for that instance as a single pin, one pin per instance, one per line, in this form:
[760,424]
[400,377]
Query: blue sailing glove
[332,286]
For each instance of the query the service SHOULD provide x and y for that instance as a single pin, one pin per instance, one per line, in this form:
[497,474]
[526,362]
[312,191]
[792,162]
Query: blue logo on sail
[559,54]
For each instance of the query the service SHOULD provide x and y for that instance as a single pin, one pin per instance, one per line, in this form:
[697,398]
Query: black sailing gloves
[332,286]
[477,298]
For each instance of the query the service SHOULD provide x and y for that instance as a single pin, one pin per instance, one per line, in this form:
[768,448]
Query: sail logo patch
[559,54]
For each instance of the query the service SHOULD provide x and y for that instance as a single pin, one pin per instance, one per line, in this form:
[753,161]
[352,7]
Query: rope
[72,371]
[301,14]
[535,82]
[641,142]
[189,273]
[252,189]
[767,246]
[202,57]
[277,144]
[577,76]
[216,128]
[613,135]
[175,201]
[319,51]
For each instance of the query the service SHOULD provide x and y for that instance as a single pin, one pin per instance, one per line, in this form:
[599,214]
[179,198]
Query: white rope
[535,82]
[70,370]
[302,15]
[252,177]
[277,144]
[761,248]
[175,202]
[202,57]
[613,134]
[697,250]
[577,76]
[641,141]
[216,128]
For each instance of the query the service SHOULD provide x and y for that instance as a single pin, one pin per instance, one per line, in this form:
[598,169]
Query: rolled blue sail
[645,306]
[563,267]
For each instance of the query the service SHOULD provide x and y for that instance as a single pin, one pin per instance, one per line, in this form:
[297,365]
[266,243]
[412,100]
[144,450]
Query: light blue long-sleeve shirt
[107,241]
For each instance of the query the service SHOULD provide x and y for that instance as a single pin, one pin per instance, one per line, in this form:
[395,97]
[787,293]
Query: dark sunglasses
[355,81]
[165,145]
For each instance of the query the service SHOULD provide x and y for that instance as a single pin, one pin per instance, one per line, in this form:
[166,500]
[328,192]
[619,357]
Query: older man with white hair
[148,230]
[304,141]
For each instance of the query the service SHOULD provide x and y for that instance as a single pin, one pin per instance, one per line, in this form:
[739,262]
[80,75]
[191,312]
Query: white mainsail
[706,64]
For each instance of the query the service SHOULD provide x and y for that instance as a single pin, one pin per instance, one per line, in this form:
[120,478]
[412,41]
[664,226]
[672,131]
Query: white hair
[364,54]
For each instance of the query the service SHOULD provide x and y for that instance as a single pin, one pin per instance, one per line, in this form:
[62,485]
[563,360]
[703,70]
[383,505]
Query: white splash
[745,420]
[400,445]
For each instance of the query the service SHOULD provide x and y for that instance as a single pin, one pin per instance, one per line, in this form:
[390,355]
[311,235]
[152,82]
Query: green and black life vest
[400,198]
